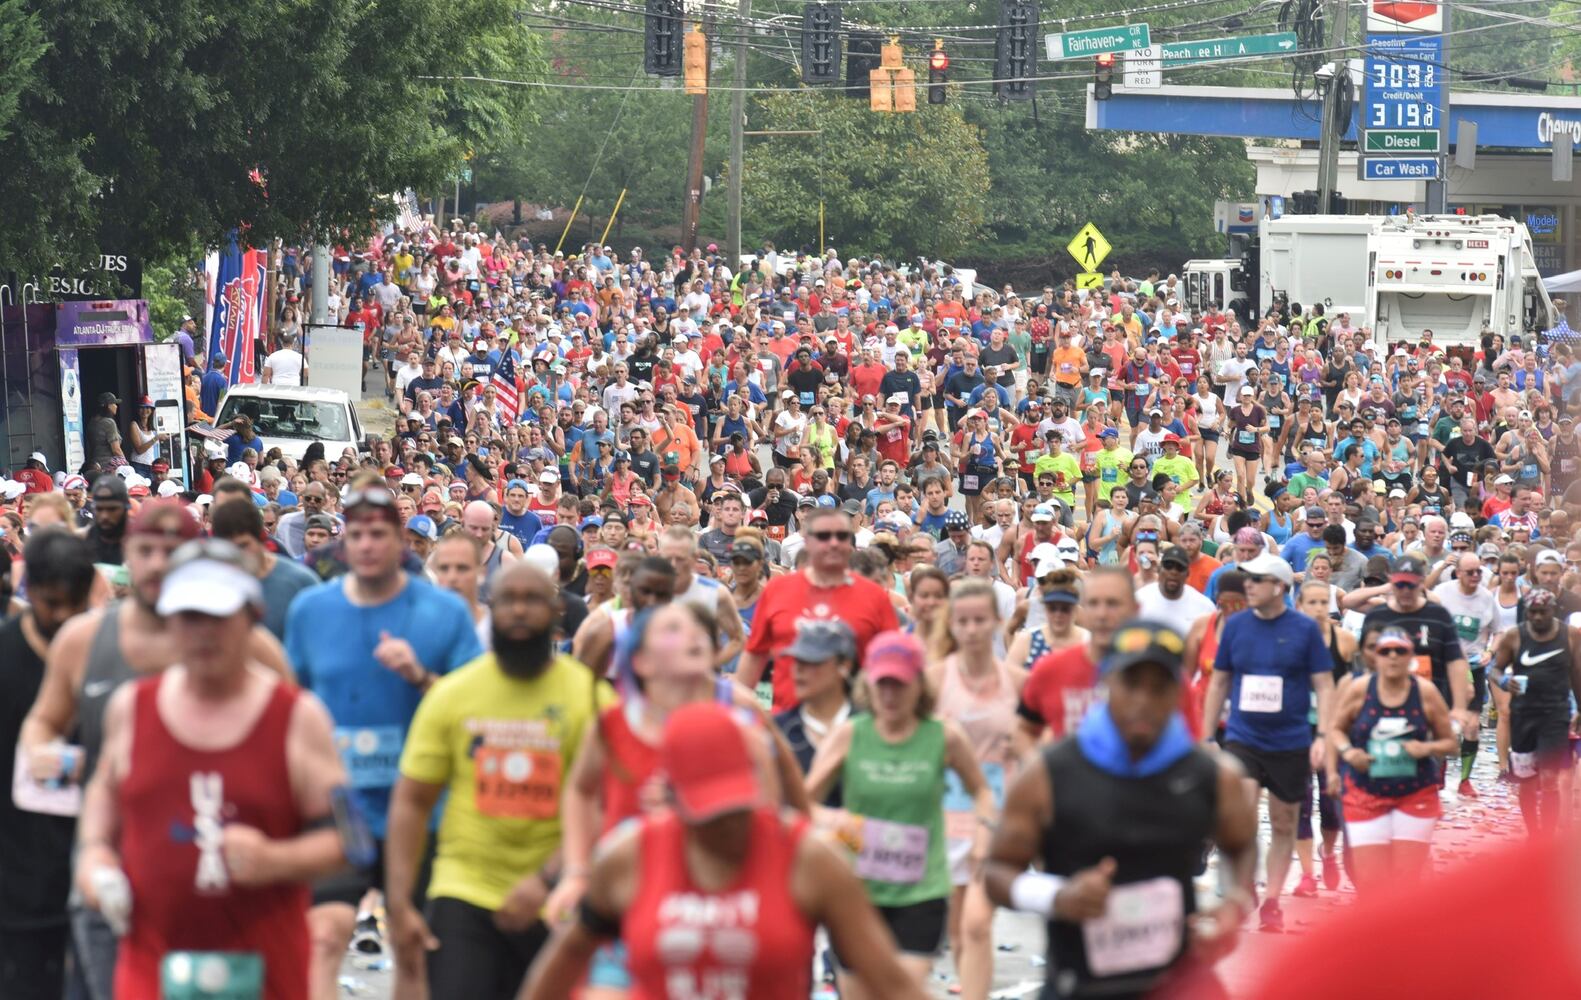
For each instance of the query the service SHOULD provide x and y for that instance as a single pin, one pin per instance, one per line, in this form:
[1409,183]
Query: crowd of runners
[713,632]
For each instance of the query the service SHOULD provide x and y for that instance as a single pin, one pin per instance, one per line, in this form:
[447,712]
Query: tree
[891,184]
[147,123]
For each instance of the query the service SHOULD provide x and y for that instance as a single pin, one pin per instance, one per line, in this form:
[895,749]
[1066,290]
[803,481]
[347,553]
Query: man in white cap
[36,475]
[1271,662]
[205,839]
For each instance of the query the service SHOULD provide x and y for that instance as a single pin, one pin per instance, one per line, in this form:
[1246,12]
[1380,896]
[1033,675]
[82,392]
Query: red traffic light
[938,60]
[1106,60]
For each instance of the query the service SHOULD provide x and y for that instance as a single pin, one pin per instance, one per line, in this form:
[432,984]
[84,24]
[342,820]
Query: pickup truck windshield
[303,419]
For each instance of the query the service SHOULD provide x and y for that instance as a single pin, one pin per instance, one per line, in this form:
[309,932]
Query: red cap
[705,757]
[601,557]
[893,656]
[169,518]
[1171,438]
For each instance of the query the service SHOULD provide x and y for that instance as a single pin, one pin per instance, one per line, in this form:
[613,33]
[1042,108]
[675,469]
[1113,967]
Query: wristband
[69,756]
[1034,892]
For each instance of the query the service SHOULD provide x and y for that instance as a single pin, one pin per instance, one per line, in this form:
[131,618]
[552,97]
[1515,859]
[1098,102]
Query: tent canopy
[1570,281]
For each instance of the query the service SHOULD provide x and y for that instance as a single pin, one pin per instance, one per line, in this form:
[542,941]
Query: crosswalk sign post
[1089,248]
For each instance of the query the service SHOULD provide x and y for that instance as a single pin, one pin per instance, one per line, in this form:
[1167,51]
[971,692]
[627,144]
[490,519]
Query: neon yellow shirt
[1066,471]
[1183,471]
[1111,466]
[502,747]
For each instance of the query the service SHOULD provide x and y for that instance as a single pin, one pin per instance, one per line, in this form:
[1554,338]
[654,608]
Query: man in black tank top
[1116,817]
[1539,663]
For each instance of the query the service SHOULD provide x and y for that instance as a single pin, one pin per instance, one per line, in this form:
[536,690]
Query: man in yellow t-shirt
[1060,464]
[1111,462]
[499,736]
[1177,467]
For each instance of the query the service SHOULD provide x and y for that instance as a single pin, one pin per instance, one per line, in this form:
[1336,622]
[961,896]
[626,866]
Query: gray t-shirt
[284,582]
[1475,615]
[103,435]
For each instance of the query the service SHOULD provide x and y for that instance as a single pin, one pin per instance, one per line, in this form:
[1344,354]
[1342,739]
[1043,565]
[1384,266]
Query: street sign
[1089,279]
[1402,141]
[1143,69]
[1419,168]
[1089,247]
[1403,101]
[1097,41]
[1213,49]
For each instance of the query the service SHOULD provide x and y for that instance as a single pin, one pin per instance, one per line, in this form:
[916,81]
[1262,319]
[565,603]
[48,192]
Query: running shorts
[350,884]
[1374,820]
[918,929]
[1285,773]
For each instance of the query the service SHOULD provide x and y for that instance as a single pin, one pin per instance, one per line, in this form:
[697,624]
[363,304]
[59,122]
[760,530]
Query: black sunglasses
[832,536]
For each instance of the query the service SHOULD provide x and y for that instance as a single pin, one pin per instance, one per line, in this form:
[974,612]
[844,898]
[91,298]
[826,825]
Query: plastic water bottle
[115,897]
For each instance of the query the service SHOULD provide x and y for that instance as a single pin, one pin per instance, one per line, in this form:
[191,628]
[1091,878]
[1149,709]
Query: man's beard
[523,659]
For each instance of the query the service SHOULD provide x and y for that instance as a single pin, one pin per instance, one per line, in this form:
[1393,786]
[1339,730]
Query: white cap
[38,456]
[1268,564]
[10,489]
[242,471]
[1503,480]
[1069,550]
[898,397]
[1549,557]
[411,479]
[213,449]
[549,476]
[208,585]
[1460,519]
[544,556]
[1045,558]
[169,488]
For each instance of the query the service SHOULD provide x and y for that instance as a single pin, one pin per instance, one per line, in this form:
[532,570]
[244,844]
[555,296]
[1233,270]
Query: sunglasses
[832,536]
[1405,585]
[373,496]
[1393,651]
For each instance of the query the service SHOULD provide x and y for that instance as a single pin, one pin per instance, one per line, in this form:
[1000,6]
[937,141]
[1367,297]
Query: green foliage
[892,184]
[173,287]
[142,125]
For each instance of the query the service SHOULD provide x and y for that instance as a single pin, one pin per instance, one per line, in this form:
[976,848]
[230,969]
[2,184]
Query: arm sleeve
[425,756]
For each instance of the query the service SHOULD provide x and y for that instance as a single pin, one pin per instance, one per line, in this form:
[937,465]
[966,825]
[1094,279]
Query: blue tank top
[1280,533]
[1380,730]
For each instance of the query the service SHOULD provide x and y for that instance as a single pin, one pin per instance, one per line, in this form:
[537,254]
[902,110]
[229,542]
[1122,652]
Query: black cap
[1174,554]
[106,398]
[746,550]
[1144,641]
[818,640]
[109,488]
[1409,568]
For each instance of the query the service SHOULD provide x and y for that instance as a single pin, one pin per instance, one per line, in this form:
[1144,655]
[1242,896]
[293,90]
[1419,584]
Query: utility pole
[1438,190]
[692,211]
[321,285]
[1332,132]
[738,125]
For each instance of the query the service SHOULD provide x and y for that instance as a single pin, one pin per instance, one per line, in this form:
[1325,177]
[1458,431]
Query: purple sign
[105,323]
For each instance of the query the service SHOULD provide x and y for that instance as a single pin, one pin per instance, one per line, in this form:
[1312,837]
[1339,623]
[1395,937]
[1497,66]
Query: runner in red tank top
[195,838]
[720,898]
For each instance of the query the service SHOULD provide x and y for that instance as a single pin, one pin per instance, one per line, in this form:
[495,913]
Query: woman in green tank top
[891,764]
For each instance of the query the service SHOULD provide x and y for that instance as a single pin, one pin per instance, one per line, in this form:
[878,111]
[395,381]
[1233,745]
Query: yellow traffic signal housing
[695,61]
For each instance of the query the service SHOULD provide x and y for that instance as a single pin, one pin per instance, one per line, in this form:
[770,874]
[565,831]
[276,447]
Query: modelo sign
[1392,17]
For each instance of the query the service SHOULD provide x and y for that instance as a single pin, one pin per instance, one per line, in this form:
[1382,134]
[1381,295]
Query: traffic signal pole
[738,125]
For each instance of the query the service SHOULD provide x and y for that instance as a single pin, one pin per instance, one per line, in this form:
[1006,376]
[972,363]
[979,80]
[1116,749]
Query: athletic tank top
[1340,666]
[630,764]
[619,622]
[173,804]
[1545,663]
[105,671]
[492,563]
[703,592]
[987,720]
[748,940]
[1036,647]
[1379,729]
[896,791]
[1154,828]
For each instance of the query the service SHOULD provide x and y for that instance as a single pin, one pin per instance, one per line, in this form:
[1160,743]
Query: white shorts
[1391,826]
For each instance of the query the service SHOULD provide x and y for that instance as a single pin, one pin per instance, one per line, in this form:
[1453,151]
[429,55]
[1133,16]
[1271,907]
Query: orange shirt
[1067,365]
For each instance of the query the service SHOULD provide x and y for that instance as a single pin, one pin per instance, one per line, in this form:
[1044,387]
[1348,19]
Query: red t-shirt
[859,602]
[36,480]
[1059,689]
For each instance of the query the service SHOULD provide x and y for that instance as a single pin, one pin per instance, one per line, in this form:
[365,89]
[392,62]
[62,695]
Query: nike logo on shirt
[1528,660]
[97,688]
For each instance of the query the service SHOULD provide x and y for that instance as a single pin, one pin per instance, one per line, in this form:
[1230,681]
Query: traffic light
[696,61]
[661,48]
[938,73]
[820,43]
[1103,77]
[1016,50]
[861,59]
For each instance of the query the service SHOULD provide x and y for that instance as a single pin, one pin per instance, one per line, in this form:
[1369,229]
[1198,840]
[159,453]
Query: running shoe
[1306,888]
[1272,918]
[1330,871]
[367,940]
[1465,790]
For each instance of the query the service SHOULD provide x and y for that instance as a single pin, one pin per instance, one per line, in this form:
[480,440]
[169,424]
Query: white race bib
[1142,928]
[1262,692]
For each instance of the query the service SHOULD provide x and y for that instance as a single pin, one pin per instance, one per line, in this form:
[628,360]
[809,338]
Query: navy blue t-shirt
[1270,662]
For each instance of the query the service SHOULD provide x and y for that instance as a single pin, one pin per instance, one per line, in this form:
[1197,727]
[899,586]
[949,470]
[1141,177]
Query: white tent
[1570,281]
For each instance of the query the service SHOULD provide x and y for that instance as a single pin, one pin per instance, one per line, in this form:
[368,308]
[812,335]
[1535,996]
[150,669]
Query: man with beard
[88,660]
[369,644]
[499,734]
[107,535]
[35,840]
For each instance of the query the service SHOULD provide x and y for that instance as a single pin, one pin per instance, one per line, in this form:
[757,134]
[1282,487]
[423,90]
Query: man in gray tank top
[89,658]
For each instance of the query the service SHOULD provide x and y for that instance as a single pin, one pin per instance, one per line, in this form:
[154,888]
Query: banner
[238,284]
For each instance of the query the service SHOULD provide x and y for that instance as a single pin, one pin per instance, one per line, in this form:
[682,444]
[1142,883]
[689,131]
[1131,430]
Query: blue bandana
[1100,742]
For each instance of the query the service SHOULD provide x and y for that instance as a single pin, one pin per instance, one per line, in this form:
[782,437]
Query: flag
[238,287]
[505,395]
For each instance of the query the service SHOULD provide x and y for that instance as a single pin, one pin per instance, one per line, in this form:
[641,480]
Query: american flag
[505,396]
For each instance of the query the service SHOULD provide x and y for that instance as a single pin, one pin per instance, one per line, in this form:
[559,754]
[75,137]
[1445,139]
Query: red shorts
[1361,806]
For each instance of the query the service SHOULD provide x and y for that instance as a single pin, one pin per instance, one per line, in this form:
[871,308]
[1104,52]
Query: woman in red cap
[891,764]
[719,897]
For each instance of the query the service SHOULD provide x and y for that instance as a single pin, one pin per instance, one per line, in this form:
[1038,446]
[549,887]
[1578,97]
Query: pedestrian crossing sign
[1089,248]
[1089,279]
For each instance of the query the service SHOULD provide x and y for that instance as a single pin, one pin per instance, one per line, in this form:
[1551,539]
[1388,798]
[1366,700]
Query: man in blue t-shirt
[1273,666]
[369,644]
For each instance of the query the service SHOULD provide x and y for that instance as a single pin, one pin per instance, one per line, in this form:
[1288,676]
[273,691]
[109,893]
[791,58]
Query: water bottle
[114,893]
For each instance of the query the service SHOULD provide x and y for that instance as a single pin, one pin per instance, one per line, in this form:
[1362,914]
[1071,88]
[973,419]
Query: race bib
[513,783]
[1389,759]
[969,482]
[1422,666]
[1523,765]
[1262,692]
[960,818]
[765,695]
[211,975]
[371,754]
[1142,928]
[1247,437]
[892,852]
[1110,474]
